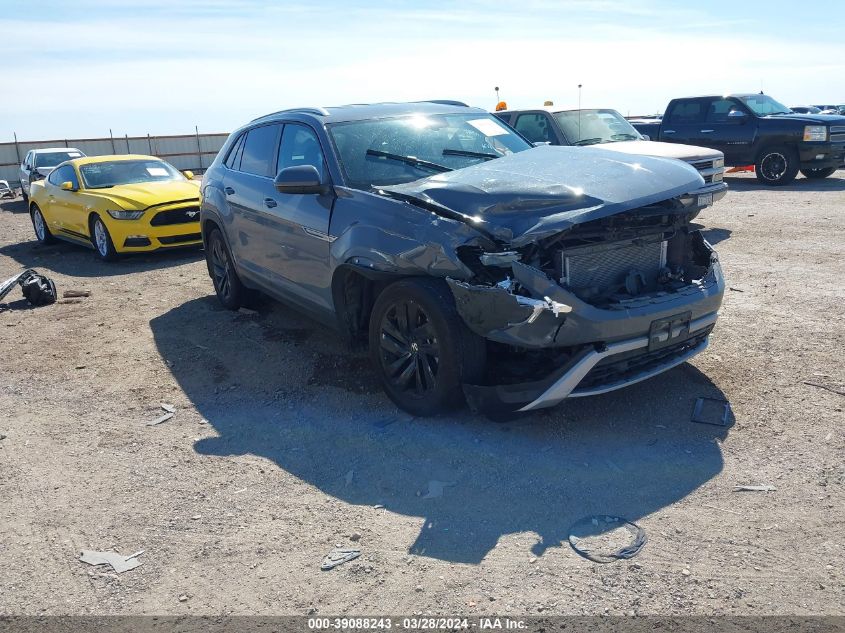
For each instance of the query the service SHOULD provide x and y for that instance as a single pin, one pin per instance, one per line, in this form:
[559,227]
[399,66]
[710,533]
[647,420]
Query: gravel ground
[282,448]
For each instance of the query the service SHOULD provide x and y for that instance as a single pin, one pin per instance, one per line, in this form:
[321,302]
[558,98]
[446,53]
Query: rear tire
[818,173]
[230,291]
[101,239]
[777,166]
[24,196]
[420,347]
[42,231]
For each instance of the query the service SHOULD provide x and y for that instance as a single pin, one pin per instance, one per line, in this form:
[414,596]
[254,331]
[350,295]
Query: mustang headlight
[125,215]
[815,133]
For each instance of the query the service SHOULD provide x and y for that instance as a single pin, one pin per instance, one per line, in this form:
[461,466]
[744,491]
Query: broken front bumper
[615,347]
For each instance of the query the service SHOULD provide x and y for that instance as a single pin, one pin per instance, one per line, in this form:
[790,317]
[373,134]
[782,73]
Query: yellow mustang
[117,204]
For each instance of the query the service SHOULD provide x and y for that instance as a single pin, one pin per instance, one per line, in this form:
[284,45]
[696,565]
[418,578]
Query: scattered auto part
[587,537]
[118,562]
[716,411]
[339,556]
[37,289]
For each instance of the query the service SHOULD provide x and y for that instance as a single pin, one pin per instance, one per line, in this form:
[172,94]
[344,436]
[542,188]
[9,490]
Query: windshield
[125,172]
[764,105]
[382,152]
[589,127]
[51,159]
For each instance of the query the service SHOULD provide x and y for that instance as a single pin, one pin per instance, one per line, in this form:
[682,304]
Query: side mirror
[541,143]
[188,174]
[67,185]
[646,137]
[299,179]
[737,116]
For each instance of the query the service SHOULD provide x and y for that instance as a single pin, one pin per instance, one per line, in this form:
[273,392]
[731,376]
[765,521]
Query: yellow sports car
[117,204]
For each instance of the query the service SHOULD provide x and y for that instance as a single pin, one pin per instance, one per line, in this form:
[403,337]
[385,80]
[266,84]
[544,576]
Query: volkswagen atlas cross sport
[474,265]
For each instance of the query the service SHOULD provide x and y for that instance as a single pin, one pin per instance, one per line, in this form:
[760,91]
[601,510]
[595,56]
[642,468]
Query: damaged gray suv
[472,264]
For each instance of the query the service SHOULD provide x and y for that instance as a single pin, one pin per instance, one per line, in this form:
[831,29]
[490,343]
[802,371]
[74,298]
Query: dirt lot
[282,448]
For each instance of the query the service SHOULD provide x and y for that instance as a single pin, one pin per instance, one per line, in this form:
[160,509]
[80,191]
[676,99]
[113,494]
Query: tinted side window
[233,160]
[63,174]
[718,110]
[259,150]
[535,127]
[687,112]
[300,146]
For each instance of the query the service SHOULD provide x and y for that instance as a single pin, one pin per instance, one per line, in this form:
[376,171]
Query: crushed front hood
[140,196]
[527,196]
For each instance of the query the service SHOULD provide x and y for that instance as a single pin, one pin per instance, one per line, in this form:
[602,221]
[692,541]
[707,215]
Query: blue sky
[77,68]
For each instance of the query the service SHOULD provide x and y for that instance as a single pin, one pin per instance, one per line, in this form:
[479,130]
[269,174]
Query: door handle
[269,203]
[229,191]
[668,131]
[707,131]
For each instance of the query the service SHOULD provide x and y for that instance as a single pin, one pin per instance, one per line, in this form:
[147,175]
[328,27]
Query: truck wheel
[230,291]
[777,166]
[420,347]
[818,173]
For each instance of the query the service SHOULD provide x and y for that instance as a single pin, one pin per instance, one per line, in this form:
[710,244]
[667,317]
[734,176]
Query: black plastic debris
[37,289]
[715,411]
[592,537]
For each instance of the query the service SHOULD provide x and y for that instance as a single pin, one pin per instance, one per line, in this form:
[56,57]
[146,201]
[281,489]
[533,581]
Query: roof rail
[310,110]
[445,102]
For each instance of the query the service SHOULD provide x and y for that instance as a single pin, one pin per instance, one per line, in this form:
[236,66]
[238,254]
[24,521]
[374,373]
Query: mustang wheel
[777,166]
[102,240]
[42,232]
[818,173]
[230,291]
[421,348]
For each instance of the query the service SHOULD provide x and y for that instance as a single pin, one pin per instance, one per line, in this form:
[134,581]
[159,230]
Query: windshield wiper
[625,137]
[463,152]
[589,141]
[413,161]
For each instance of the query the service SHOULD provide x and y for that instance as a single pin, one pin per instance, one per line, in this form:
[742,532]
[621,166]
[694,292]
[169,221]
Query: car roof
[55,149]
[365,111]
[108,158]
[551,109]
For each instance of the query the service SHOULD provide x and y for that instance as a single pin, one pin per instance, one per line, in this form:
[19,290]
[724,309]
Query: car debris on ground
[593,536]
[170,411]
[118,562]
[760,488]
[715,411]
[37,289]
[837,390]
[338,556]
[73,294]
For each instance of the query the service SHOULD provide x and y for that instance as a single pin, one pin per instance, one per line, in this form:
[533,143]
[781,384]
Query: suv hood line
[531,195]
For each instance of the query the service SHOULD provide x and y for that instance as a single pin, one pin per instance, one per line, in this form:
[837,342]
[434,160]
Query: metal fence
[184,151]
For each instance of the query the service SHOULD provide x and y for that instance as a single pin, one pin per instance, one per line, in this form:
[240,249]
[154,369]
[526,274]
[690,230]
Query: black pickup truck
[754,129]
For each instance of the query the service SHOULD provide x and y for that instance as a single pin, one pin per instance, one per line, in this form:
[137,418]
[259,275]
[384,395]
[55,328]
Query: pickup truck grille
[606,267]
[708,172]
[837,133]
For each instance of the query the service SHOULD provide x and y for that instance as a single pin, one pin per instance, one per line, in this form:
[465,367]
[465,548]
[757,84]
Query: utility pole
[579,112]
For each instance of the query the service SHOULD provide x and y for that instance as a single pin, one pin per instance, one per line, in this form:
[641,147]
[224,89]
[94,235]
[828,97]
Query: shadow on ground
[77,261]
[276,387]
[716,235]
[836,182]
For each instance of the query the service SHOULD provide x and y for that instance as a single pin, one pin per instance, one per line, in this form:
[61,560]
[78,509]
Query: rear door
[248,184]
[683,121]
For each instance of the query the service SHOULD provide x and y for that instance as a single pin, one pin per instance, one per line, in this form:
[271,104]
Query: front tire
[420,347]
[42,231]
[230,291]
[777,166]
[101,239]
[818,173]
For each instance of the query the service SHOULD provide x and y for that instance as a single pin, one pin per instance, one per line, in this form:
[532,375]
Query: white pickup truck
[40,162]
[609,130]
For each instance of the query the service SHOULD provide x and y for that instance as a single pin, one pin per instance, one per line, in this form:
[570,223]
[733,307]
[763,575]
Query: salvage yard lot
[283,447]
